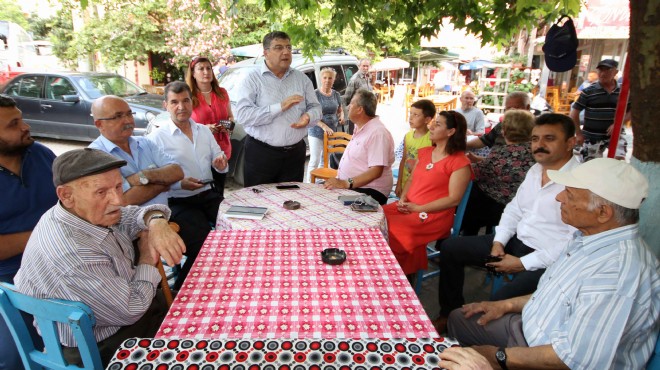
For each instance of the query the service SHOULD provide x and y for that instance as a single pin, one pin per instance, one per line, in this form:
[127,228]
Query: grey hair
[622,215]
[523,96]
[329,70]
[363,59]
[367,100]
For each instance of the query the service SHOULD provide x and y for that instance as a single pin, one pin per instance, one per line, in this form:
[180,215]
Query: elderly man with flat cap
[598,305]
[82,250]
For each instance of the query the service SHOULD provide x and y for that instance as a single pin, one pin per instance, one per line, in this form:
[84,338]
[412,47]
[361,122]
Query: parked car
[58,104]
[345,65]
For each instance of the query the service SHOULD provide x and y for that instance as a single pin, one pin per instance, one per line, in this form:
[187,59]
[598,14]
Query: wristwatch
[500,356]
[143,179]
[155,217]
[350,182]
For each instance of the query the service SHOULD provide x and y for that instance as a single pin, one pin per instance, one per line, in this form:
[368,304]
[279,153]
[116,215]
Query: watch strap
[154,217]
[350,183]
[500,356]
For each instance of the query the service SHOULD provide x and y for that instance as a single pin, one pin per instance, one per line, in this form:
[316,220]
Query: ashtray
[291,205]
[333,256]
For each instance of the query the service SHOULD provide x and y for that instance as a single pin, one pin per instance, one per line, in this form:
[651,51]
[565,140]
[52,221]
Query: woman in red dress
[428,201]
[210,105]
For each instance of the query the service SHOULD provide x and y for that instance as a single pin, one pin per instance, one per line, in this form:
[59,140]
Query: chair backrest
[335,143]
[460,211]
[47,313]
[654,361]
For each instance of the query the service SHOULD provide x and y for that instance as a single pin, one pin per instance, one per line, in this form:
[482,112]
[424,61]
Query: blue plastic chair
[654,361]
[47,313]
[455,229]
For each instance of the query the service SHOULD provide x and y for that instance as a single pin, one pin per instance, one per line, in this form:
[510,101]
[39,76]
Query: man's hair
[363,59]
[563,120]
[6,101]
[274,35]
[427,107]
[517,126]
[367,100]
[231,59]
[520,95]
[457,141]
[622,215]
[176,87]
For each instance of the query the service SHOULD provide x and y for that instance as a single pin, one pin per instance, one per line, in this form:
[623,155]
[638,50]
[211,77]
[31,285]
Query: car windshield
[97,86]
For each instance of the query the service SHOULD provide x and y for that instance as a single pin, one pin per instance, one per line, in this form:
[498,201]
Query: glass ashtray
[333,256]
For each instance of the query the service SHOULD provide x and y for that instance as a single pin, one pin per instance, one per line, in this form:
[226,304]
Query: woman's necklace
[430,165]
[328,93]
[205,92]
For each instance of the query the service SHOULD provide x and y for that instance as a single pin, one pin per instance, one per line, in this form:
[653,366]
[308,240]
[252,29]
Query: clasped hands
[508,264]
[290,102]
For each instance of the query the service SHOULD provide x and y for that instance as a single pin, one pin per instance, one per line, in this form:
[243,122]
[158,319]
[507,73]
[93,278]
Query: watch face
[500,355]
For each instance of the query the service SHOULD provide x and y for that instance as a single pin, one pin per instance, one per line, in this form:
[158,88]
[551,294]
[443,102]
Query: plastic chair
[654,361]
[47,312]
[455,229]
[335,143]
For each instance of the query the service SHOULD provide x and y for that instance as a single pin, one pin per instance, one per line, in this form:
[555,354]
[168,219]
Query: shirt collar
[96,233]
[264,69]
[109,146]
[172,127]
[592,243]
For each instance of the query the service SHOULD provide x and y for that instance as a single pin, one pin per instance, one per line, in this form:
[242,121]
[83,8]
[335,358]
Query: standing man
[366,165]
[598,305]
[530,235]
[473,115]
[27,192]
[149,172]
[599,101]
[360,80]
[275,105]
[195,205]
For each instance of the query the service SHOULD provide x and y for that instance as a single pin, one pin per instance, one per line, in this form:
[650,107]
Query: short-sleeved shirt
[25,197]
[372,145]
[412,146]
[599,107]
[329,106]
[146,156]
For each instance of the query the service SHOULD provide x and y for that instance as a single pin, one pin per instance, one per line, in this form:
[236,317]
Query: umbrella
[475,64]
[250,51]
[390,64]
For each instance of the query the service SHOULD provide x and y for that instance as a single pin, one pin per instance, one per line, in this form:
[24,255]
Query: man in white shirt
[473,115]
[531,234]
[194,205]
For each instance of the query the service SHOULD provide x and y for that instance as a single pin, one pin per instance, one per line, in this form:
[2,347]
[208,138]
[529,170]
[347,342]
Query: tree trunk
[644,55]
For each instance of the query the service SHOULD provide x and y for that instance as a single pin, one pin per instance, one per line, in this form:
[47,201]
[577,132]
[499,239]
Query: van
[345,65]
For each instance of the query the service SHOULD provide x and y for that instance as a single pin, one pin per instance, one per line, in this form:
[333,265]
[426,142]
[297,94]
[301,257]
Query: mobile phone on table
[287,187]
[363,208]
[347,200]
[206,181]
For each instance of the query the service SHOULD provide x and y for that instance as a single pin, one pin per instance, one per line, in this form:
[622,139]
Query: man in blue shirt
[149,171]
[598,305]
[27,192]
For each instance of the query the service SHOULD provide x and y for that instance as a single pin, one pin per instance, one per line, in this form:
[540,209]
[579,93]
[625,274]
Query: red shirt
[210,115]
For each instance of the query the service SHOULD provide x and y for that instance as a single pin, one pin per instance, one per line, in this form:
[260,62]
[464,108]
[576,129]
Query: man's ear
[65,194]
[571,143]
[98,123]
[427,120]
[605,213]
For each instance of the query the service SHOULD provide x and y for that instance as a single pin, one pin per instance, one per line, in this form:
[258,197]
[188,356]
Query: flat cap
[79,163]
[609,63]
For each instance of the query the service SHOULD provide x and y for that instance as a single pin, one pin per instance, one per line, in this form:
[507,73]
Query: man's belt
[287,148]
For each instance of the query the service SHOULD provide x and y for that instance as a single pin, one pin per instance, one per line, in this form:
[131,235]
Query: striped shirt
[69,258]
[599,304]
[259,109]
[599,107]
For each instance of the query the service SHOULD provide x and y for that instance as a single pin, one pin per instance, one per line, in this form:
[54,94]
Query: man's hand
[191,183]
[335,183]
[610,128]
[291,101]
[497,249]
[491,310]
[579,138]
[509,264]
[220,162]
[165,241]
[302,122]
[148,255]
[463,358]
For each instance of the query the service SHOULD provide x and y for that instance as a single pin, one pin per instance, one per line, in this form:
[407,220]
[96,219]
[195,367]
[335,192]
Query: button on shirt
[195,158]
[259,107]
[535,217]
[145,155]
[69,258]
[599,304]
[372,145]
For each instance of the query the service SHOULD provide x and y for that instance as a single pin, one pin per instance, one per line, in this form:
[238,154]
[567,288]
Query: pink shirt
[370,146]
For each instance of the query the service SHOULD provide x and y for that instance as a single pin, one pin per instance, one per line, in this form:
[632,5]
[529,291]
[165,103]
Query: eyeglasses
[118,116]
[280,48]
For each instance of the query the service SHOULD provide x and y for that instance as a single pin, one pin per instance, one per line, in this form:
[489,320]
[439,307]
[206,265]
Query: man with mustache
[530,235]
[82,250]
[195,204]
[27,192]
[149,172]
[275,105]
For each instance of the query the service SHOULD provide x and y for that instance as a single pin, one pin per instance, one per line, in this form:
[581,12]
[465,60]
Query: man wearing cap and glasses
[82,250]
[598,305]
[599,102]
[275,105]
[149,172]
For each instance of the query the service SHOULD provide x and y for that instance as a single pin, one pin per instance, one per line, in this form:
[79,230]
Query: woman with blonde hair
[212,108]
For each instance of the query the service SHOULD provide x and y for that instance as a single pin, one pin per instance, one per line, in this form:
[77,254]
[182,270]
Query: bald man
[474,116]
[149,171]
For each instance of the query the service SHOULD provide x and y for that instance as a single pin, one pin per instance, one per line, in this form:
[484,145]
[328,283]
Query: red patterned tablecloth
[273,284]
[319,209]
[275,354]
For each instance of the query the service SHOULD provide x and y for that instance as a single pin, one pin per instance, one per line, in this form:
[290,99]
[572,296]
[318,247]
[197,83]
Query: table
[272,284]
[296,354]
[320,208]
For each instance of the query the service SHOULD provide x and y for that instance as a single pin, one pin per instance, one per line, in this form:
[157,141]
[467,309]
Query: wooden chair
[48,312]
[335,143]
[455,229]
